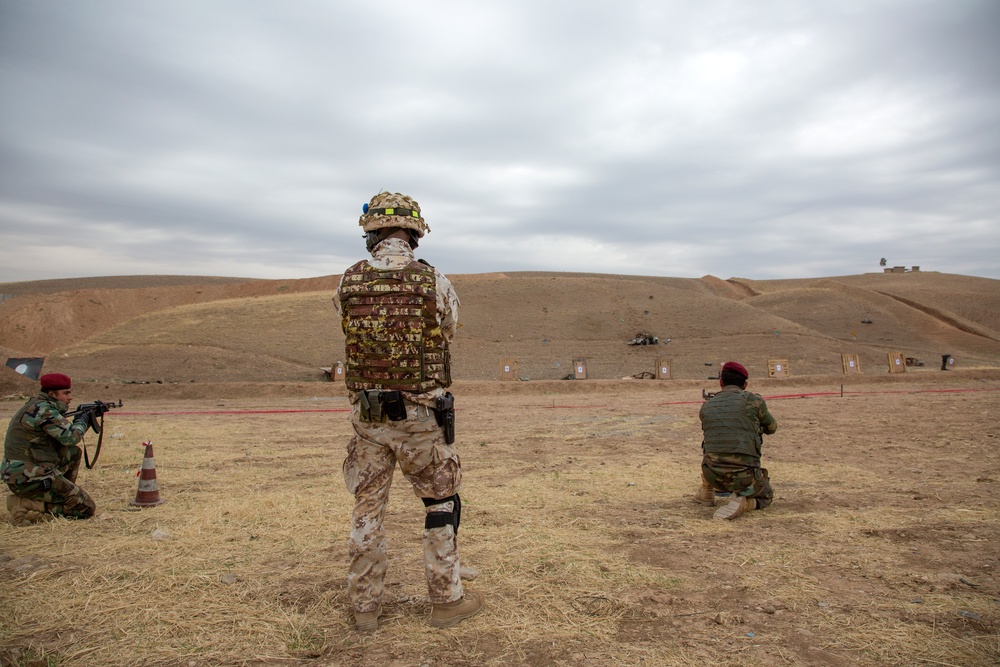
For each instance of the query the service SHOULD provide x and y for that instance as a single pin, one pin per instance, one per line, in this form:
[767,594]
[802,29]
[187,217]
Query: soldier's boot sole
[451,613]
[735,507]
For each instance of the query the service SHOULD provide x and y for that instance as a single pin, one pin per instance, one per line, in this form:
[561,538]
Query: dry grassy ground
[881,548]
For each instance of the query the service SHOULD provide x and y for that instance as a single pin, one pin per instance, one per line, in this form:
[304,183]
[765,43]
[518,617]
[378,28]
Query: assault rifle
[93,415]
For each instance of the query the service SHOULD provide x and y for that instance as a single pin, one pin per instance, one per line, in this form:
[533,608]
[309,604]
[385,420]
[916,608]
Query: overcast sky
[764,139]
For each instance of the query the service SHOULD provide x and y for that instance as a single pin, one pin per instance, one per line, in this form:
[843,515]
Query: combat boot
[736,506]
[450,613]
[367,621]
[705,495]
[25,512]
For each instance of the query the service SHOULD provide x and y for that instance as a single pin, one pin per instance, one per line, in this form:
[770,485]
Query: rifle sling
[97,451]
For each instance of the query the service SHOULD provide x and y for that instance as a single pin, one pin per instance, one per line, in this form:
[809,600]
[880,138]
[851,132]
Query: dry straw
[577,520]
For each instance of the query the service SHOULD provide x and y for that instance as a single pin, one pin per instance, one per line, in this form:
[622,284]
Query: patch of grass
[580,525]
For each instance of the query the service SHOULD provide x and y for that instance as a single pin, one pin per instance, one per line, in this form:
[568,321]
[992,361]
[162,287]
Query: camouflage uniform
[42,459]
[417,445]
[733,422]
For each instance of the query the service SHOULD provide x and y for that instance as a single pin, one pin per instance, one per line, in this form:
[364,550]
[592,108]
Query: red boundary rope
[222,412]
[554,407]
[853,393]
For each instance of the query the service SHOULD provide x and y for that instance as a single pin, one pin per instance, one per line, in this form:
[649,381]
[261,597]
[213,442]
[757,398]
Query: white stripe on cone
[148,493]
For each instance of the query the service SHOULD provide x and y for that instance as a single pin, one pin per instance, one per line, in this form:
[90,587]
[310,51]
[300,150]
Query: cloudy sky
[765,139]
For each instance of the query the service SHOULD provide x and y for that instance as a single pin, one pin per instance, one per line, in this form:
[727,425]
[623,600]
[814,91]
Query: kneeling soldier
[733,422]
[41,458]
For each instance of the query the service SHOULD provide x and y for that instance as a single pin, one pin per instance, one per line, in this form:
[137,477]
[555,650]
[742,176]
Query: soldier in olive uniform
[399,316]
[733,422]
[41,458]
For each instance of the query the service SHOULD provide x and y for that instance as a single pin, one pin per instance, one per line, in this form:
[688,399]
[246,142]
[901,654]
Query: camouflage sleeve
[336,295]
[767,421]
[447,305]
[55,424]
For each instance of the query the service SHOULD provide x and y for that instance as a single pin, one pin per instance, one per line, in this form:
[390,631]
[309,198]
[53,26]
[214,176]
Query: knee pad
[442,519]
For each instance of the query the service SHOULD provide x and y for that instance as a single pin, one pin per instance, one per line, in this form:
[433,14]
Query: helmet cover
[392,209]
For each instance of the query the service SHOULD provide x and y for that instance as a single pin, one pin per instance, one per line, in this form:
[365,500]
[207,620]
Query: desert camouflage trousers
[54,485]
[739,474]
[433,469]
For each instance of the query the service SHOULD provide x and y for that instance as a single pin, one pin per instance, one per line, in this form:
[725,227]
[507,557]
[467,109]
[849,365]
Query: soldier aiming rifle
[93,415]
[41,456]
[734,422]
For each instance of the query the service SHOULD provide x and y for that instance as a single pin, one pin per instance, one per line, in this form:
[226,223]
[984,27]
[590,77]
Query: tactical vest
[727,426]
[393,338]
[30,446]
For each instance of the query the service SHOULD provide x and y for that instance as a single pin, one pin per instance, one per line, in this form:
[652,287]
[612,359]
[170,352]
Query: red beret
[736,368]
[55,382]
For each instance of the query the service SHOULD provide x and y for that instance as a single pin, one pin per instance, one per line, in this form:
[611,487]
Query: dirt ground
[881,547]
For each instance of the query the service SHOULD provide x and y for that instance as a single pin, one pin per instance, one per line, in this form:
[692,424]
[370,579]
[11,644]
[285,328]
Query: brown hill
[200,330]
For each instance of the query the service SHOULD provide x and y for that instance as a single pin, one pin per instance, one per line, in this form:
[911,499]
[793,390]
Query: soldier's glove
[89,419]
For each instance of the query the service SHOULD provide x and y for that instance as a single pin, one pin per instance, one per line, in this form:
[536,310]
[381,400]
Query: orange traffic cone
[148,493]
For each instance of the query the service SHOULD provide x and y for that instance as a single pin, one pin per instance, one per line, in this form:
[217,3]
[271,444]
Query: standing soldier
[41,458]
[733,422]
[399,316]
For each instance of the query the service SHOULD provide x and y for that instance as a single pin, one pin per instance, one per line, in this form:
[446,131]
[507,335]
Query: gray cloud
[772,139]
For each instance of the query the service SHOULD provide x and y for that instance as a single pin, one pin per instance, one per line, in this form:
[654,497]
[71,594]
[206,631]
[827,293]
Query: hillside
[190,330]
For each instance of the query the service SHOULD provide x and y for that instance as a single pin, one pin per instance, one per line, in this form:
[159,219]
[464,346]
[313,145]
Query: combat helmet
[392,209]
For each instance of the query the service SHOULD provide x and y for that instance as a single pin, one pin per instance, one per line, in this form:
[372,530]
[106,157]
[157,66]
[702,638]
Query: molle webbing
[393,338]
[727,426]
[22,445]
